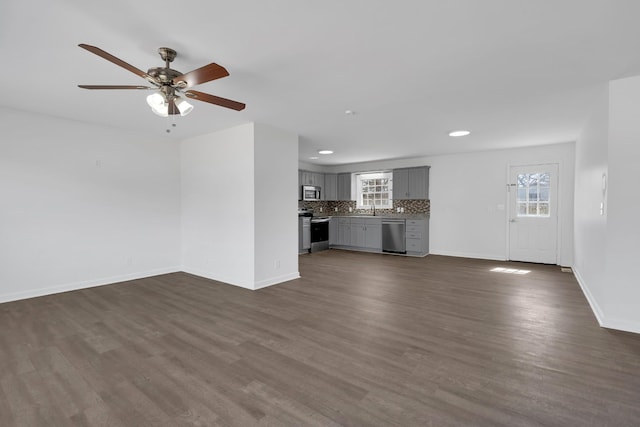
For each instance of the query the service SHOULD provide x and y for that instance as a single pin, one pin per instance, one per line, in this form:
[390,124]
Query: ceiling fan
[169,83]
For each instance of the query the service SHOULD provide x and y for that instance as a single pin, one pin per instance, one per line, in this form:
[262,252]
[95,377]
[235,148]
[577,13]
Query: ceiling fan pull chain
[173,117]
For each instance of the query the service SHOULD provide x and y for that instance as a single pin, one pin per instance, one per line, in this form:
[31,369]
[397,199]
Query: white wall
[239,220]
[607,251]
[591,227]
[276,204]
[623,203]
[83,205]
[218,205]
[466,191]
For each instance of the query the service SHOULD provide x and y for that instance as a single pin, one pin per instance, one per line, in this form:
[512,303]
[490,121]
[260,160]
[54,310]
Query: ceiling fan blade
[173,108]
[201,75]
[212,99]
[113,87]
[101,53]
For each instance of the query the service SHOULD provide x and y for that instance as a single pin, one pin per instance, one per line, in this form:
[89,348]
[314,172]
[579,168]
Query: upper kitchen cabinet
[411,183]
[312,178]
[344,186]
[330,186]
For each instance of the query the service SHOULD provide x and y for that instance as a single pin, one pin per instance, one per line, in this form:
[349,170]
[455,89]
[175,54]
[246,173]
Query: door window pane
[532,197]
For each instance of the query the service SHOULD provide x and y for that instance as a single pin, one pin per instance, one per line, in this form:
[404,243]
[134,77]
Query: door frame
[559,207]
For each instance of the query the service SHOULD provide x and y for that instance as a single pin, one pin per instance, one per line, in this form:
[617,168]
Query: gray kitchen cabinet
[333,231]
[311,178]
[318,181]
[344,186]
[357,232]
[344,231]
[366,233]
[411,183]
[307,178]
[417,234]
[373,235]
[400,184]
[304,234]
[330,186]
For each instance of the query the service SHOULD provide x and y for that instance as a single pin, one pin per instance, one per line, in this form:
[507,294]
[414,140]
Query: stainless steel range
[319,233]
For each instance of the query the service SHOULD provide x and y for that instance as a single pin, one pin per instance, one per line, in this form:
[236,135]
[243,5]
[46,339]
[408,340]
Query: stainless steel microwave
[310,192]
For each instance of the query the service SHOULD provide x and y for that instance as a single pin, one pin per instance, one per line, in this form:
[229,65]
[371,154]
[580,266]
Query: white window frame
[375,175]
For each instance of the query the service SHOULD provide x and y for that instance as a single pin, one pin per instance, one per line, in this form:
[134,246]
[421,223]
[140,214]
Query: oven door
[319,234]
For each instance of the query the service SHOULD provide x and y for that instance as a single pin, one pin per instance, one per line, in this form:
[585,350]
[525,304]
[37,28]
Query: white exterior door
[533,213]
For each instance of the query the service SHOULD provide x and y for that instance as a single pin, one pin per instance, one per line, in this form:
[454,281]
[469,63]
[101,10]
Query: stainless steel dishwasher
[393,236]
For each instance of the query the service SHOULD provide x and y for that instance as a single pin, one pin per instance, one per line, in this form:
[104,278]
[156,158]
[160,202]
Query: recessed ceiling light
[313,158]
[325,152]
[349,112]
[459,133]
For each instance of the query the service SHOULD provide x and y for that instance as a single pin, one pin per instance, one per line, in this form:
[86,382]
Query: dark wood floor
[361,340]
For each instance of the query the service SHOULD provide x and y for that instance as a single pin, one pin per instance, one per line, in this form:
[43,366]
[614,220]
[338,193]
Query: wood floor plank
[360,339]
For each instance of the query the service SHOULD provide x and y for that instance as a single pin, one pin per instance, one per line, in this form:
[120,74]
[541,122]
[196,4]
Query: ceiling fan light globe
[183,106]
[156,99]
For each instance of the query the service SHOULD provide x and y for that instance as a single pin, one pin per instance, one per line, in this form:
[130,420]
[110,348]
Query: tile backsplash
[413,207]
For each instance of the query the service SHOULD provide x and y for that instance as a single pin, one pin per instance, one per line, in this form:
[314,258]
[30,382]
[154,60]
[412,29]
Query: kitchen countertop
[399,216]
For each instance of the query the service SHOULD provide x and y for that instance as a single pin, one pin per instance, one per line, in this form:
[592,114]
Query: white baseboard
[597,311]
[275,280]
[49,290]
[257,285]
[622,325]
[468,255]
[605,322]
[210,276]
[32,293]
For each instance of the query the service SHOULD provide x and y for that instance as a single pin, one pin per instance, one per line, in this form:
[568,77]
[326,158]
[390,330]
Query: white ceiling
[514,72]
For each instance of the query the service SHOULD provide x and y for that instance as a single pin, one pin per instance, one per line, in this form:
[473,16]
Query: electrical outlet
[335,209]
[350,209]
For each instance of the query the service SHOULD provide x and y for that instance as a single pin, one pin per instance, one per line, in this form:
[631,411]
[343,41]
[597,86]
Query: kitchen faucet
[374,209]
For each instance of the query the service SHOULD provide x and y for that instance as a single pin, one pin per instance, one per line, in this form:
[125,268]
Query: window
[533,194]
[374,189]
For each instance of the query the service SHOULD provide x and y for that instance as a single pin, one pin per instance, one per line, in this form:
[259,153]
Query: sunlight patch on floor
[510,270]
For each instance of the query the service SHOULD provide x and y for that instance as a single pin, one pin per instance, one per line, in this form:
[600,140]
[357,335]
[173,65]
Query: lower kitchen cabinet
[304,234]
[373,236]
[359,233]
[417,234]
[365,234]
[333,231]
[344,232]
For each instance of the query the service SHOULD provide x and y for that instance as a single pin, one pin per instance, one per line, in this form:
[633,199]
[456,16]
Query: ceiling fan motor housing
[164,75]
